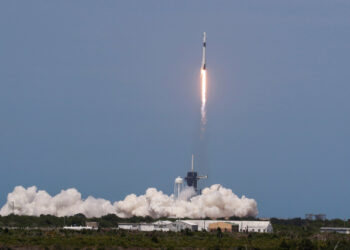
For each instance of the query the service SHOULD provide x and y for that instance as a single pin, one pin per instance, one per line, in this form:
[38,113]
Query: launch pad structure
[192,177]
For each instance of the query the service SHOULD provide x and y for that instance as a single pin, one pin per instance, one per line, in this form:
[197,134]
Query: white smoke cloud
[215,201]
[186,193]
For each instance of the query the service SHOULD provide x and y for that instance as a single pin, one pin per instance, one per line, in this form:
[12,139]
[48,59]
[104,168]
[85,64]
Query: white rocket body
[204,48]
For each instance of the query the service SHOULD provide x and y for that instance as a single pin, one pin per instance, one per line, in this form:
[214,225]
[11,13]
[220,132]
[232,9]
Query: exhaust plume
[214,202]
[204,98]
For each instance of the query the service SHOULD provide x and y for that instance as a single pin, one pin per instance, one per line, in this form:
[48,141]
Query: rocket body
[204,83]
[204,48]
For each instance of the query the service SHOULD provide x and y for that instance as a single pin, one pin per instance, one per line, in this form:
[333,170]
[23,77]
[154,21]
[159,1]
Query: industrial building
[340,230]
[159,226]
[140,227]
[199,225]
[130,226]
[162,225]
[243,226]
[223,226]
[179,225]
[156,226]
[78,228]
[90,225]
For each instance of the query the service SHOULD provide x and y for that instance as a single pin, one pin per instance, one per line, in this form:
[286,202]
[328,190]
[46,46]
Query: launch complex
[192,176]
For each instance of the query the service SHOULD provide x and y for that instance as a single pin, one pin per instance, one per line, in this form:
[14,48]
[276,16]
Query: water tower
[178,186]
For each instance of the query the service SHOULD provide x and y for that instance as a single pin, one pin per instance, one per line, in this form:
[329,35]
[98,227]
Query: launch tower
[192,177]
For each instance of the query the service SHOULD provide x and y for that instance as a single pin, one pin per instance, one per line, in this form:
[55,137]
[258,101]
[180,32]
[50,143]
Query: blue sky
[104,96]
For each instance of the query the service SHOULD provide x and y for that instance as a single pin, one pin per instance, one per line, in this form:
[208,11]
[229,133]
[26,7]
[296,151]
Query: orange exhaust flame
[204,97]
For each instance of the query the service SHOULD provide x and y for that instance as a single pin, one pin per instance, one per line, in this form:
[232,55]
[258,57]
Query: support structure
[192,177]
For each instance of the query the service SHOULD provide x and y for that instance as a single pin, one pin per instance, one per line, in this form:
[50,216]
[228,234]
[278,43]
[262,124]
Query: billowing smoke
[215,201]
[35,202]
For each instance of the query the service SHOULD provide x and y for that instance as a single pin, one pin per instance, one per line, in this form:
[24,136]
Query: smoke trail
[204,98]
[215,201]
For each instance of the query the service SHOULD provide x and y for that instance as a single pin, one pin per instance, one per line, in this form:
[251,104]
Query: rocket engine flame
[204,97]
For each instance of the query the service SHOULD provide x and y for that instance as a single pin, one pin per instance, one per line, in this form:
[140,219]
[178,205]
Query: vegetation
[50,221]
[45,232]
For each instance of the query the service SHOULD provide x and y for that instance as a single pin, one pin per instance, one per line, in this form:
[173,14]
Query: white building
[197,225]
[128,226]
[340,230]
[179,225]
[78,228]
[243,226]
[162,225]
[146,227]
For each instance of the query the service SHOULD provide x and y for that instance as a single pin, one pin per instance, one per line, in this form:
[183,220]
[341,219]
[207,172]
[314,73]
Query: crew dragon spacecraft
[204,48]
